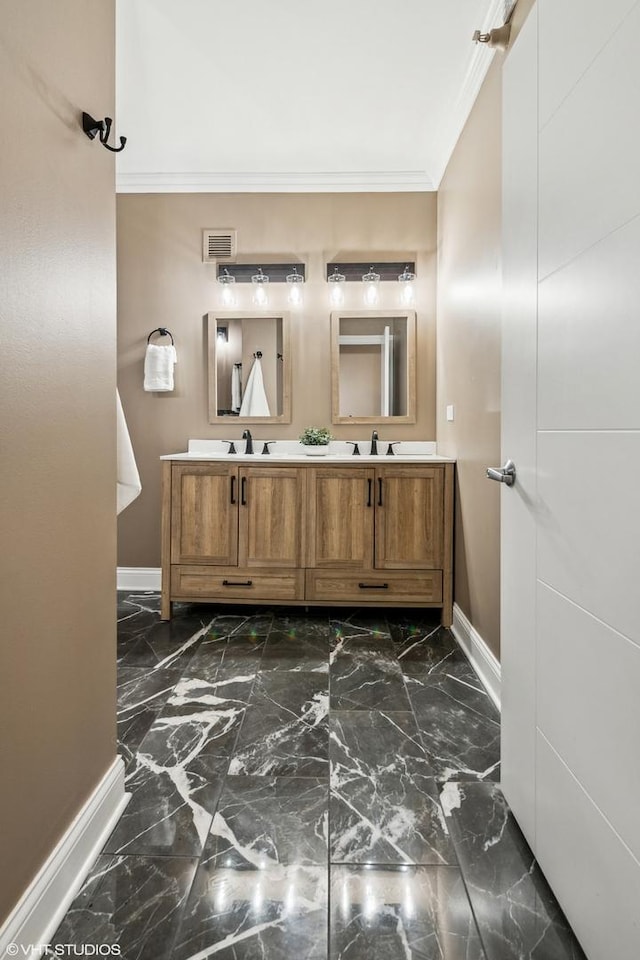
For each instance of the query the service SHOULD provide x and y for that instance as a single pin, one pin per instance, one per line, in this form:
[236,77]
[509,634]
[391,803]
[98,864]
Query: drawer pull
[369,500]
[233,489]
[237,583]
[373,586]
[380,504]
[243,491]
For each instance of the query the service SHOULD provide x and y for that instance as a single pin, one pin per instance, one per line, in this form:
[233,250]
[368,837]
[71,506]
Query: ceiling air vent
[218,245]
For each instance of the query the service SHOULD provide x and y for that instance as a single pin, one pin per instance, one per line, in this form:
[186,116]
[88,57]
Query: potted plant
[316,440]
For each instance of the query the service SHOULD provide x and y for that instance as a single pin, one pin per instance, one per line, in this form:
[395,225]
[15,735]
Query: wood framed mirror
[373,366]
[249,367]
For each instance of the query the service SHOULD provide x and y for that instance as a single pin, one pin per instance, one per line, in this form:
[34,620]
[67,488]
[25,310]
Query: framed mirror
[373,367]
[249,368]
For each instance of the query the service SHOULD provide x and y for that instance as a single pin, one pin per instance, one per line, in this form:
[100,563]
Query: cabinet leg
[447,615]
[166,607]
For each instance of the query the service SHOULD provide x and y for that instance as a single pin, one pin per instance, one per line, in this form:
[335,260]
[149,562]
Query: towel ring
[163,333]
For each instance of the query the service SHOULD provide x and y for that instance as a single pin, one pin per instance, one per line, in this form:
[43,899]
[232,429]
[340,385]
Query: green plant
[315,436]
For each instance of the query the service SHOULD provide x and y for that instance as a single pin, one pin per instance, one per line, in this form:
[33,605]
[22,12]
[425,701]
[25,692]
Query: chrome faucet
[246,435]
[374,443]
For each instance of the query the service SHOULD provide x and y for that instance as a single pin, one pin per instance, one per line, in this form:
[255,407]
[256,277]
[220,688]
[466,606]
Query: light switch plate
[450,412]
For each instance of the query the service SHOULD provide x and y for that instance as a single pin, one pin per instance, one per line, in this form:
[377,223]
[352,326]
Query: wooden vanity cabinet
[204,513]
[381,535]
[410,509]
[340,517]
[308,534]
[271,530]
[231,531]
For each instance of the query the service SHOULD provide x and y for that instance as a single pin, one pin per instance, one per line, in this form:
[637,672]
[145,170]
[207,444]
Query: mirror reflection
[373,367]
[248,368]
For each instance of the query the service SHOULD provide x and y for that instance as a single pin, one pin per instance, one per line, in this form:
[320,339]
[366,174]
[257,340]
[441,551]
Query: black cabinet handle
[370,484]
[233,490]
[373,586]
[380,492]
[237,583]
[243,491]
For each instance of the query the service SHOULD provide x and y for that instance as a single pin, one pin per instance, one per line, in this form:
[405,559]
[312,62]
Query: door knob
[506,474]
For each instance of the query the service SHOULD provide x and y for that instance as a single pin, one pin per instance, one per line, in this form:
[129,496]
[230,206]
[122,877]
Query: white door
[519,348]
[571,423]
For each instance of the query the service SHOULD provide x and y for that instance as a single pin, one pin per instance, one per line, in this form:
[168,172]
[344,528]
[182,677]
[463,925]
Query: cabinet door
[409,517]
[340,517]
[204,509]
[270,527]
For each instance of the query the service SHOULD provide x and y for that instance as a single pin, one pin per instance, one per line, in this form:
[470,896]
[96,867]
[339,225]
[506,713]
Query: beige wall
[163,282]
[469,346]
[57,320]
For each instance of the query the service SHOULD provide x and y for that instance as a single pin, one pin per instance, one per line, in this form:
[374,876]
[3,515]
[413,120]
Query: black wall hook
[102,129]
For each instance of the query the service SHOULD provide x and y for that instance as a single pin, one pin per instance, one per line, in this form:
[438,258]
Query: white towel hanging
[158,368]
[128,485]
[254,402]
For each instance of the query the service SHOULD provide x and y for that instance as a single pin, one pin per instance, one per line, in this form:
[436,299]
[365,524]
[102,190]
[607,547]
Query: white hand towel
[236,388]
[158,368]
[254,402]
[128,484]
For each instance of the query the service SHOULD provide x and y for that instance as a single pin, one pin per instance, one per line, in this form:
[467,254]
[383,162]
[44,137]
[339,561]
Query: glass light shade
[336,295]
[406,281]
[336,288]
[371,282]
[259,283]
[227,289]
[294,288]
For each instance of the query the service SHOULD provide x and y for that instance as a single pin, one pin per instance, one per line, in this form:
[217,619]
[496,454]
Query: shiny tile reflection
[275,914]
[401,913]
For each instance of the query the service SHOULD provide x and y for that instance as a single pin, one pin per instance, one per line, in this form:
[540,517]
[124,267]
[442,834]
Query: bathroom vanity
[295,529]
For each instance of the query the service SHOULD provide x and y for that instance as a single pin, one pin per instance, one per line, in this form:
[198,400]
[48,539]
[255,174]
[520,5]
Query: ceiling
[270,95]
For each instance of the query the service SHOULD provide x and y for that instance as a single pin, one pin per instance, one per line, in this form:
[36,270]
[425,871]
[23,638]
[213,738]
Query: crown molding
[478,63]
[363,181]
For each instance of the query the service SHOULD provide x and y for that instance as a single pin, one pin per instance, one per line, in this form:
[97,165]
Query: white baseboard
[38,913]
[484,662]
[139,578]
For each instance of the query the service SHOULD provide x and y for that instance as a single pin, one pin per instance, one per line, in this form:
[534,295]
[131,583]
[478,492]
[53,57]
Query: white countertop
[292,451]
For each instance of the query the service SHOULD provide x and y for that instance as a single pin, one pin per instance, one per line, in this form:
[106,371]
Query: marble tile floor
[318,785]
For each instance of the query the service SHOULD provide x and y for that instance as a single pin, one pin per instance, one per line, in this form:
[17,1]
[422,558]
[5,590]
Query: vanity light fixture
[371,281]
[407,287]
[231,276]
[260,281]
[370,276]
[222,335]
[227,289]
[294,283]
[336,282]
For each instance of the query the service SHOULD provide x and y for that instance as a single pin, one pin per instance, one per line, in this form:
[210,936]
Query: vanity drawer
[389,586]
[201,582]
